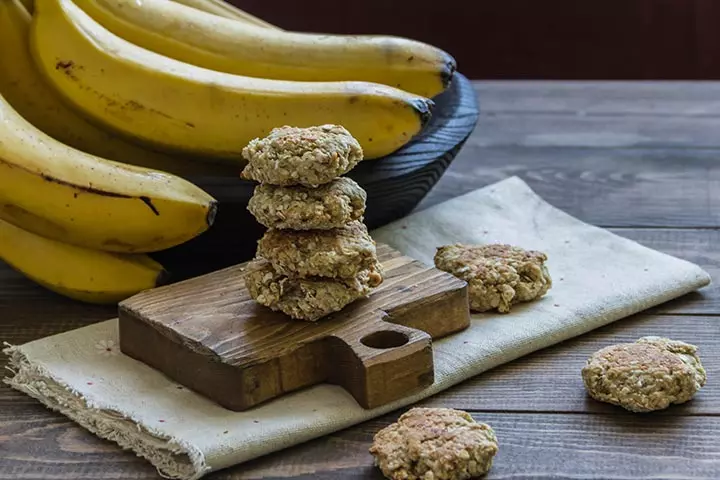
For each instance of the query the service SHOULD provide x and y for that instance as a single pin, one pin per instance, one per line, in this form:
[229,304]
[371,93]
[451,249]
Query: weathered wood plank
[37,445]
[596,131]
[606,187]
[676,99]
[549,380]
[598,115]
[531,446]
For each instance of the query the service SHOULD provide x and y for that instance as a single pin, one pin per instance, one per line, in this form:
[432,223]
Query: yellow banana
[226,45]
[29,5]
[79,273]
[224,9]
[58,192]
[36,101]
[216,7]
[181,107]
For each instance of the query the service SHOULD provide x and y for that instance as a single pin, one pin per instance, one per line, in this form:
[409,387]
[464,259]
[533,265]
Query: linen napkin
[598,278]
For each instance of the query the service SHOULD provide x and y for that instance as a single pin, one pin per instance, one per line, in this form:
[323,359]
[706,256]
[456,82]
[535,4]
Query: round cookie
[301,156]
[304,299]
[434,444]
[650,374]
[331,205]
[498,275]
[337,253]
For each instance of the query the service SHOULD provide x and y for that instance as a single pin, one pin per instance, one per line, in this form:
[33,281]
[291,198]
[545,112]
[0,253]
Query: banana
[226,45]
[181,107]
[29,5]
[216,7]
[34,99]
[224,9]
[82,274]
[64,194]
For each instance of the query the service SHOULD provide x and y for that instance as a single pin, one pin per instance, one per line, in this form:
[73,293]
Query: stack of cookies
[317,255]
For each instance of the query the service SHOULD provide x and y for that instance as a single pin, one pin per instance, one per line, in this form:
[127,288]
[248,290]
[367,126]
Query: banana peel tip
[212,212]
[448,72]
[163,278]
[424,108]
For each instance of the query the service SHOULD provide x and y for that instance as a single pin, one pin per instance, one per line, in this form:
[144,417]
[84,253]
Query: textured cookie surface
[649,374]
[304,298]
[301,156]
[337,253]
[434,444]
[498,275]
[331,205]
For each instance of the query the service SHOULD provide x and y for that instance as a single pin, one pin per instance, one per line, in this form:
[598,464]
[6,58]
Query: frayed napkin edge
[37,382]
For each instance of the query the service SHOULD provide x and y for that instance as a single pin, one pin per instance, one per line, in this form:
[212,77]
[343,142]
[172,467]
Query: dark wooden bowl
[395,185]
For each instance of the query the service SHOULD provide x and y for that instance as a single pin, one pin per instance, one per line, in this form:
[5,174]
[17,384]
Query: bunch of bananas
[105,105]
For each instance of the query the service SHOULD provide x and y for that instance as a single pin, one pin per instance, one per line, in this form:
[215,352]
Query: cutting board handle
[378,362]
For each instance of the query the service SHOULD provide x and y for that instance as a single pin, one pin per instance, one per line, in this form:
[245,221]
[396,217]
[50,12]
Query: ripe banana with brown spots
[182,107]
[61,193]
[25,89]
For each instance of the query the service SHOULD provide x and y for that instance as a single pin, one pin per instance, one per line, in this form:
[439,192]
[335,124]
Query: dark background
[532,39]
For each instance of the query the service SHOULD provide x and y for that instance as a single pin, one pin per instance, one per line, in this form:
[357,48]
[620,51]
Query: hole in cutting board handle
[385,339]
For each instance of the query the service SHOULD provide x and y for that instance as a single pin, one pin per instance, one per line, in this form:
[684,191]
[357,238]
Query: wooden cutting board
[207,334]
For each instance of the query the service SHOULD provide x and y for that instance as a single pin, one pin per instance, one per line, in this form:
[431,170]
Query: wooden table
[641,159]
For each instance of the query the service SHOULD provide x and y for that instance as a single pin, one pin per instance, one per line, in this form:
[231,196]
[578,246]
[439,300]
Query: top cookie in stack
[317,255]
[301,156]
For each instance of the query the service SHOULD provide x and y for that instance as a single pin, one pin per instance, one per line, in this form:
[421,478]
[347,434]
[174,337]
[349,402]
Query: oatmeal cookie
[304,298]
[301,156]
[498,275]
[434,444]
[337,253]
[301,208]
[649,374]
